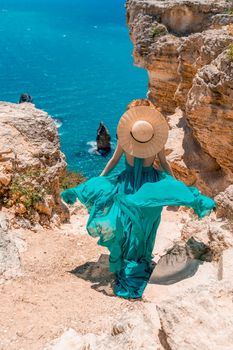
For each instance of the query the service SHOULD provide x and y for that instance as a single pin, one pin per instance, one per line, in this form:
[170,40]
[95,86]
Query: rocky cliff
[187,49]
[31,164]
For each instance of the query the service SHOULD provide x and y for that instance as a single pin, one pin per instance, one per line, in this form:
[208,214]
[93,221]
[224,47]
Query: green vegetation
[24,189]
[230,12]
[71,179]
[27,188]
[230,52]
[158,30]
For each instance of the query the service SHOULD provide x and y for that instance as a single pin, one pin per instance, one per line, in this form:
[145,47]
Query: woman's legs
[136,258]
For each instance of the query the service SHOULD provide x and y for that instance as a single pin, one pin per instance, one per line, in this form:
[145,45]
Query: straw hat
[142,131]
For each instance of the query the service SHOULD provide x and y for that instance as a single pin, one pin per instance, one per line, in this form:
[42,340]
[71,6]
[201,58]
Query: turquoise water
[75,58]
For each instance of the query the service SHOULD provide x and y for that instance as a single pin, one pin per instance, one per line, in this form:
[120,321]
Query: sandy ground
[65,283]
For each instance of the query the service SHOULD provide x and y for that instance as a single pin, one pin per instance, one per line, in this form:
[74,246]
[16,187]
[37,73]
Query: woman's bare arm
[164,163]
[113,161]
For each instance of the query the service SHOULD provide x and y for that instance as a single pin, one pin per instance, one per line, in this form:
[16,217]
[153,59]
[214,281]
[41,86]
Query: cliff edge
[31,165]
[187,49]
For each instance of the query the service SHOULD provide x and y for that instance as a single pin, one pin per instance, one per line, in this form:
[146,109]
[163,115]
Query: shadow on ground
[97,273]
[179,263]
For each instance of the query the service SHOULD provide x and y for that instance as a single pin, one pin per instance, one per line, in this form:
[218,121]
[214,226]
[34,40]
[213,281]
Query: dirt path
[48,298]
[65,284]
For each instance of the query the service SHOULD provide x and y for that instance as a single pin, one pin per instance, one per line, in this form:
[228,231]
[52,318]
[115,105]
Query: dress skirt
[125,211]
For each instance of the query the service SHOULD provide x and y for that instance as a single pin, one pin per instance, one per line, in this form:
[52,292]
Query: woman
[125,207]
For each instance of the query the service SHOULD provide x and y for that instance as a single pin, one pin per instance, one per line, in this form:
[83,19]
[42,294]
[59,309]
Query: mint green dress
[125,212]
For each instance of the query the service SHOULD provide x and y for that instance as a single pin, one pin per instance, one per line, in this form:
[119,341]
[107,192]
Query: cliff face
[31,163]
[187,49]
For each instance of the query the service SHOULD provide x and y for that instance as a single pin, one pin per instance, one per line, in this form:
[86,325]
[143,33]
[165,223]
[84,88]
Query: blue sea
[74,57]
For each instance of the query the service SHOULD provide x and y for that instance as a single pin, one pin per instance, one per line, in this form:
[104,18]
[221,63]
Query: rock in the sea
[103,140]
[25,97]
[31,163]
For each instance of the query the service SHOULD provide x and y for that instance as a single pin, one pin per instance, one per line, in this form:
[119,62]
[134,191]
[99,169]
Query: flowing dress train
[125,212]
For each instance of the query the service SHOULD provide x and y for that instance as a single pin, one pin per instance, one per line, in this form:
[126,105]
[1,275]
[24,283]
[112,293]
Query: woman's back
[146,162]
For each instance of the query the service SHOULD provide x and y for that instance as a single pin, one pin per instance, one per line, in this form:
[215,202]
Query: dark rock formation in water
[103,140]
[25,97]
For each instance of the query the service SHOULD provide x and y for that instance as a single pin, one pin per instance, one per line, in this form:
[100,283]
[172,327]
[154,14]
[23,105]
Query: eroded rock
[25,97]
[131,331]
[187,320]
[225,203]
[11,245]
[31,163]
[103,139]
[186,47]
[216,235]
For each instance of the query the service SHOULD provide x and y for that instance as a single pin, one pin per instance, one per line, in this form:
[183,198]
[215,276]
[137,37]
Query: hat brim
[160,129]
